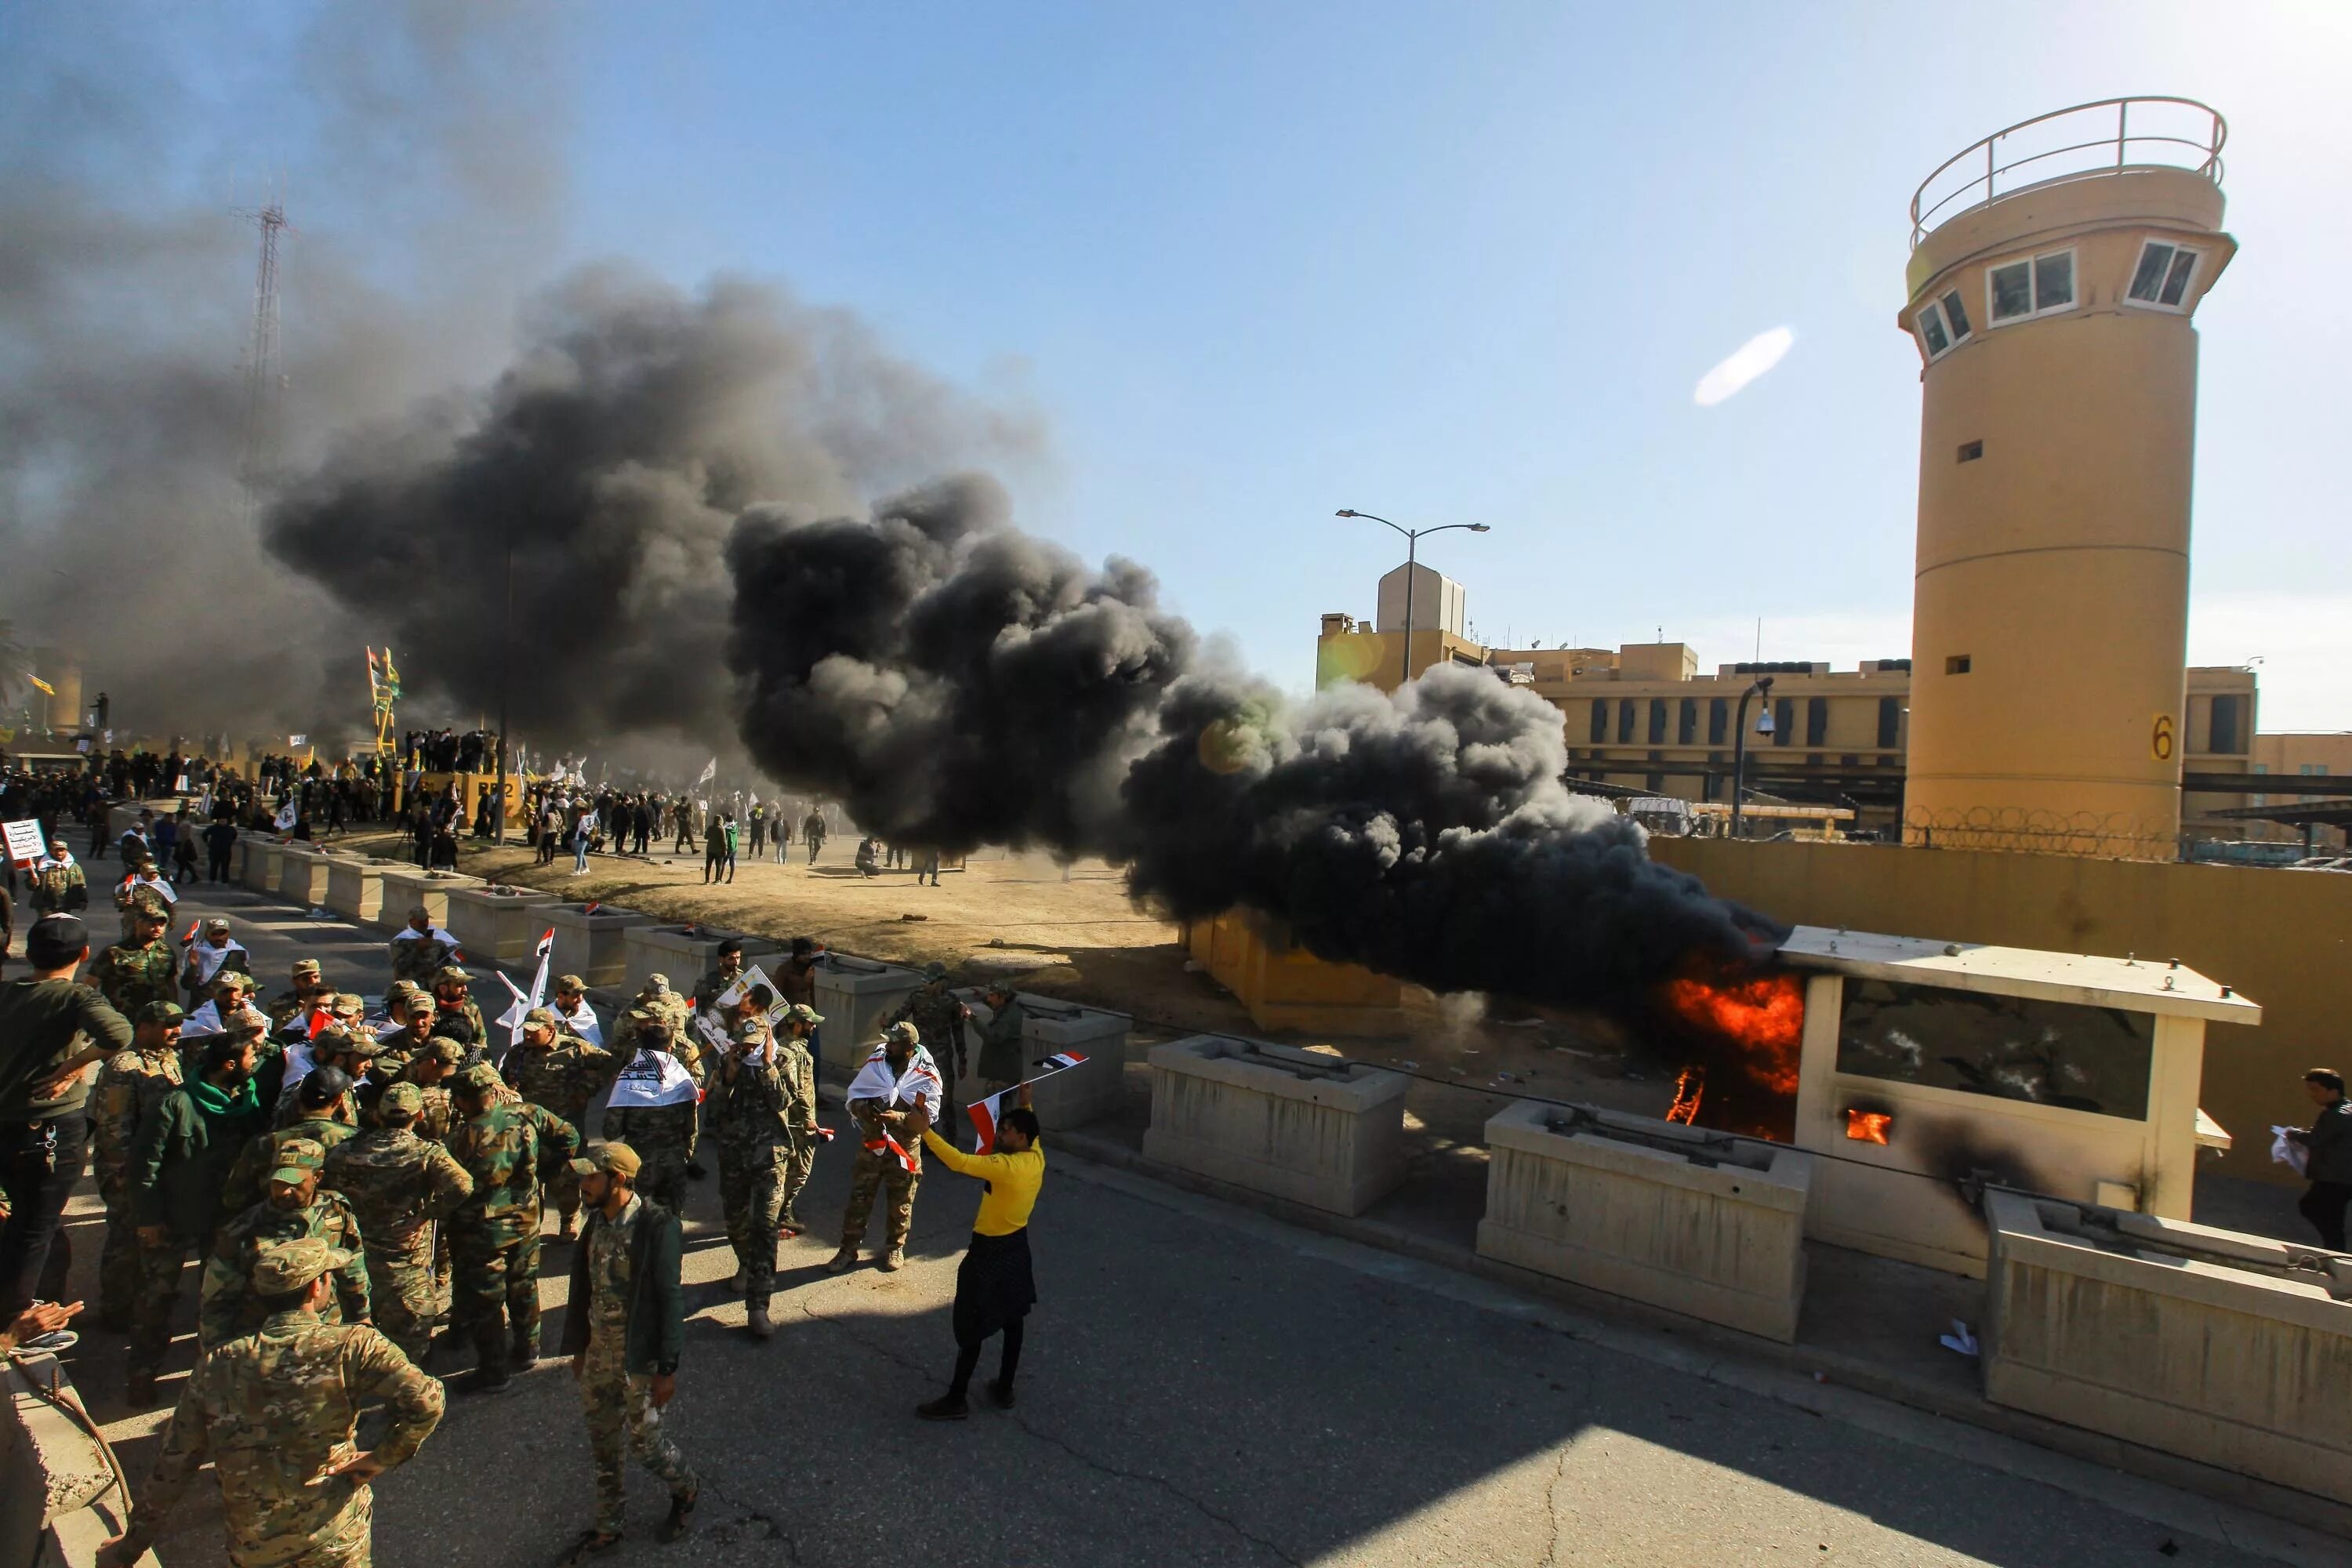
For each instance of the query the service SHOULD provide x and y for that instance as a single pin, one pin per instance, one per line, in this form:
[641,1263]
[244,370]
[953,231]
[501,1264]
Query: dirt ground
[1081,940]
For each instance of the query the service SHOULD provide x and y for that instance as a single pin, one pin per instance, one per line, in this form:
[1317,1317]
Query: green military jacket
[566,1078]
[60,890]
[228,1308]
[130,1085]
[398,1185]
[180,1163]
[249,1179]
[501,1149]
[938,1016]
[271,1411]
[132,975]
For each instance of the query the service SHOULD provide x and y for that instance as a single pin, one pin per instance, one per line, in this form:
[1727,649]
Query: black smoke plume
[957,683]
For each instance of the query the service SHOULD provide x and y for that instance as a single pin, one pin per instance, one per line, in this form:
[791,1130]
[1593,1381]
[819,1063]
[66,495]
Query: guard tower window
[1943,325]
[2162,278]
[2032,286]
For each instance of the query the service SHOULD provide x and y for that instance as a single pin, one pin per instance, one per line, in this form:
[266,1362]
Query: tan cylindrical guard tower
[2050,297]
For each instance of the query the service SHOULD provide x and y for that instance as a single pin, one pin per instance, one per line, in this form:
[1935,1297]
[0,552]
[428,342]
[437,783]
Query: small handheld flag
[986,1114]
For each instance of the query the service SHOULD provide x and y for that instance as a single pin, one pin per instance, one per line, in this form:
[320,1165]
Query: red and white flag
[891,1146]
[985,1113]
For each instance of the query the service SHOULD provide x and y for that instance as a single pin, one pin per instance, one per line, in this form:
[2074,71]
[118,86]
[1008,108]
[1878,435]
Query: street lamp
[1761,687]
[1411,544]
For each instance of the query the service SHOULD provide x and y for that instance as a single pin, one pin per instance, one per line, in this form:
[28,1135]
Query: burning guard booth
[1927,1066]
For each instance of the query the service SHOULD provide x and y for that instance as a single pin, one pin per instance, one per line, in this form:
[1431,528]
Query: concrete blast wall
[2282,937]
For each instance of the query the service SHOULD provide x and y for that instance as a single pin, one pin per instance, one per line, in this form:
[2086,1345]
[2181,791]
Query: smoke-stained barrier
[955,682]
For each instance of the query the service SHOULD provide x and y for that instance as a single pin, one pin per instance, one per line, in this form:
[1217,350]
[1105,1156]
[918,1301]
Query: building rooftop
[2137,984]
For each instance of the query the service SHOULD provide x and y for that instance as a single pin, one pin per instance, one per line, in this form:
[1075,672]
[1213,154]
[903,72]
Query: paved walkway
[1206,1385]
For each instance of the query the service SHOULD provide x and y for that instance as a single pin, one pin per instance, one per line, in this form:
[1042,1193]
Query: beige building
[1644,718]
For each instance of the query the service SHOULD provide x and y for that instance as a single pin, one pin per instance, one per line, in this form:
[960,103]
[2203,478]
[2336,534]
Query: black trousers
[218,871]
[39,1163]
[2322,1205]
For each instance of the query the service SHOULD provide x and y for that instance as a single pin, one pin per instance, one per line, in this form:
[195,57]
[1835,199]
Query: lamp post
[1761,687]
[1411,546]
[498,801]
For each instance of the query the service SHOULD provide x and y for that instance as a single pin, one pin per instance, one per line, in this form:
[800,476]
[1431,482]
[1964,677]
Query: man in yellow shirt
[994,1287]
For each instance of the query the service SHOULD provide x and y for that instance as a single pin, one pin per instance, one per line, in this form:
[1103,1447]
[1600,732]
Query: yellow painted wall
[1287,988]
[2282,938]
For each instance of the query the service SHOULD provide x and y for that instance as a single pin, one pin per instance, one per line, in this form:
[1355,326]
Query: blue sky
[1258,262]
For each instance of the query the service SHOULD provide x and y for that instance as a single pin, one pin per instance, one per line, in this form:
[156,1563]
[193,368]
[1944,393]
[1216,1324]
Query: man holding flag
[995,1285]
[894,1098]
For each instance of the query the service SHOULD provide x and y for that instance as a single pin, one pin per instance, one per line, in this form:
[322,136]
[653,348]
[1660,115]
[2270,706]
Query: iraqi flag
[985,1112]
[885,1144]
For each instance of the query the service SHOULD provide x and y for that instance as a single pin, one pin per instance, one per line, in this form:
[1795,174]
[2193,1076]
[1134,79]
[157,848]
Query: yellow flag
[46,689]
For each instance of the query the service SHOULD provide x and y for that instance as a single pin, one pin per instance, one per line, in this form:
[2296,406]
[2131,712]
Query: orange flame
[1868,1126]
[1765,1017]
[1689,1084]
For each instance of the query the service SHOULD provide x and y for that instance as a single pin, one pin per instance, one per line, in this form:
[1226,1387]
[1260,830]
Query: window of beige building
[1943,324]
[2031,286]
[2162,278]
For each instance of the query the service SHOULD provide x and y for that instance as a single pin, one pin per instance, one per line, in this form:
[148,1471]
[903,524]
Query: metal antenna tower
[264,381]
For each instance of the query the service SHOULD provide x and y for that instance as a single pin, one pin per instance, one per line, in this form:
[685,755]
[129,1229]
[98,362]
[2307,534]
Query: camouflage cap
[216,923]
[232,980]
[349,1002]
[655,986]
[539,1016]
[159,1013]
[403,988]
[401,1100]
[801,1013]
[935,969]
[447,972]
[903,1033]
[306,966]
[288,1266]
[297,1158]
[617,1158]
[570,983]
[443,1049]
[479,1079]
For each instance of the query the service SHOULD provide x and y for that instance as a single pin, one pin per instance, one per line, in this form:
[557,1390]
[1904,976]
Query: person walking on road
[2327,1156]
[623,1330]
[995,1285]
[895,1097]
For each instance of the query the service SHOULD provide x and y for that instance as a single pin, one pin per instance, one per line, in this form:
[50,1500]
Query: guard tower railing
[2088,142]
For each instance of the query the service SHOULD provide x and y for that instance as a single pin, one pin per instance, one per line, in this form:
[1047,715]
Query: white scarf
[64,861]
[209,959]
[654,1078]
[918,1085]
[582,1024]
[410,933]
[154,885]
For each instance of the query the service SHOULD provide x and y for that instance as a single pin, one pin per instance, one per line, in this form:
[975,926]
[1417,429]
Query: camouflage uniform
[134,897]
[249,1179]
[798,1070]
[130,1085]
[938,1015]
[657,1003]
[563,1077]
[417,959]
[746,1119]
[473,1034]
[273,1410]
[879,1169]
[619,1403]
[60,889]
[227,1308]
[287,1003]
[663,1136]
[494,1234]
[399,1186]
[133,973]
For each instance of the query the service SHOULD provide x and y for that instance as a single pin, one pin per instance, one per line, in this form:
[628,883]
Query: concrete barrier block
[855,994]
[302,875]
[683,952]
[2229,1349]
[592,943]
[1317,1129]
[264,864]
[1071,1098]
[1673,1215]
[56,1483]
[500,924]
[411,887]
[355,886]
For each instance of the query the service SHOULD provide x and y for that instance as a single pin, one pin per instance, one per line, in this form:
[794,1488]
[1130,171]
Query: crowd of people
[357,1187]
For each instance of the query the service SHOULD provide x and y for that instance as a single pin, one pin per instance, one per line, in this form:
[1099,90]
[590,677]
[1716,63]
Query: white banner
[654,1078]
[24,845]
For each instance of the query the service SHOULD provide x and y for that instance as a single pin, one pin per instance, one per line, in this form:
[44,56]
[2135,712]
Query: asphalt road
[1204,1385]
